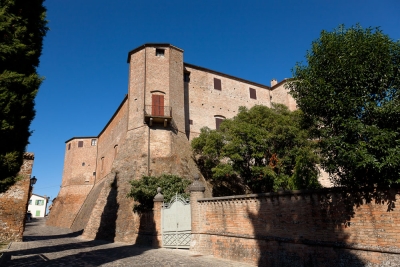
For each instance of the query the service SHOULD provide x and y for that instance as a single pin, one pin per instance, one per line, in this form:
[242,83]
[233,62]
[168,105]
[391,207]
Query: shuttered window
[217,84]
[253,94]
[80,143]
[218,122]
[157,105]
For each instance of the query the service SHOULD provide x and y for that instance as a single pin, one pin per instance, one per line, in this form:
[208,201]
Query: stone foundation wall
[297,229]
[14,204]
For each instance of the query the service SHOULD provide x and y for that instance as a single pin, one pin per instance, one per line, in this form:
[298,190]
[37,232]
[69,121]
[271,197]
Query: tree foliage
[259,150]
[348,91]
[144,190]
[22,29]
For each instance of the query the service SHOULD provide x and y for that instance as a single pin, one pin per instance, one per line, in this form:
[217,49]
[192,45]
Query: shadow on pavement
[47,237]
[74,254]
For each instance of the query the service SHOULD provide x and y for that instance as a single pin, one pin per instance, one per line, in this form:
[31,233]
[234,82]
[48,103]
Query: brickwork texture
[297,229]
[133,143]
[14,204]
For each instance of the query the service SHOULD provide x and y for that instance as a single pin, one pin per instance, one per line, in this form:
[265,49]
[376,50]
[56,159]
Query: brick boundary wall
[14,203]
[297,228]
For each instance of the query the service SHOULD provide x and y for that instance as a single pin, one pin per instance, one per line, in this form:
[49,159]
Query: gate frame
[178,235]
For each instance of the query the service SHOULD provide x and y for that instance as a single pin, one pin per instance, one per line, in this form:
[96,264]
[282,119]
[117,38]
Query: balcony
[157,115]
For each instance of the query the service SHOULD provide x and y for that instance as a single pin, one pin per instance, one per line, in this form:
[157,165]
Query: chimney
[273,82]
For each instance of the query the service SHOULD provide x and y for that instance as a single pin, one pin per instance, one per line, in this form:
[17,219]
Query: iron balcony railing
[157,111]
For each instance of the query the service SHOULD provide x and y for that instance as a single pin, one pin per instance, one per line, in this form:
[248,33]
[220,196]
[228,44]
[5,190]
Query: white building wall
[37,205]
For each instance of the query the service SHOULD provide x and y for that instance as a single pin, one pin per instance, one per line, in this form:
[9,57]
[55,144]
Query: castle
[167,104]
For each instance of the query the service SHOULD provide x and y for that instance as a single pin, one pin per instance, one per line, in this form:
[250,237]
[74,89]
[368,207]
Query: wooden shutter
[80,143]
[217,84]
[157,105]
[218,122]
[253,94]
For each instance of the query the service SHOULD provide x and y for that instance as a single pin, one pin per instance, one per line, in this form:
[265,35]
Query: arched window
[218,120]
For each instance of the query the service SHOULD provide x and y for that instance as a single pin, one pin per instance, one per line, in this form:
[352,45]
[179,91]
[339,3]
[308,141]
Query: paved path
[51,246]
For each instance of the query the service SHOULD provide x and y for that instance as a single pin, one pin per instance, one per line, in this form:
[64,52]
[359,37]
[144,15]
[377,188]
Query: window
[80,144]
[191,122]
[30,202]
[83,164]
[102,163]
[39,202]
[217,84]
[160,52]
[69,146]
[253,94]
[115,150]
[186,77]
[157,105]
[218,122]
[94,142]
[37,213]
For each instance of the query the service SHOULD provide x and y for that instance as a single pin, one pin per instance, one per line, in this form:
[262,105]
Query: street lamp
[33,180]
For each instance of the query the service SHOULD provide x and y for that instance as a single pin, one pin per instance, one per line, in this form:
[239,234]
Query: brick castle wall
[143,151]
[14,204]
[128,148]
[297,229]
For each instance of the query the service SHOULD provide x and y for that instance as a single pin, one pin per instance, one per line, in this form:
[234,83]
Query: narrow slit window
[102,164]
[186,77]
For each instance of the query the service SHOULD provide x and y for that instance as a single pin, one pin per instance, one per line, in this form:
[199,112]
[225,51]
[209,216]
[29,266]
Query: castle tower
[156,100]
[156,94]
[78,179]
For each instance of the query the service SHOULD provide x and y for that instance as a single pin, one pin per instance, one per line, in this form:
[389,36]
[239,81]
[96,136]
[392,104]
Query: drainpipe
[144,108]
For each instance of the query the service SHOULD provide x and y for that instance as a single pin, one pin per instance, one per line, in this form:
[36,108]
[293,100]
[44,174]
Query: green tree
[348,91]
[259,150]
[22,28]
[144,190]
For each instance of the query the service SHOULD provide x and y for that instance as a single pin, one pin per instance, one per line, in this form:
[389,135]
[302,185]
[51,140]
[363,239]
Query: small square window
[94,142]
[80,143]
[217,84]
[160,52]
[253,93]
[191,122]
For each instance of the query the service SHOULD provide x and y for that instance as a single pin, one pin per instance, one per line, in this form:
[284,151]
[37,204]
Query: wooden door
[157,105]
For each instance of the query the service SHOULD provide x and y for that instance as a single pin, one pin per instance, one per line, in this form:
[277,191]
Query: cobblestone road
[52,246]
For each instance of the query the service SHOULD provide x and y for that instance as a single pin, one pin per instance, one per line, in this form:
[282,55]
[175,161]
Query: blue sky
[85,52]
